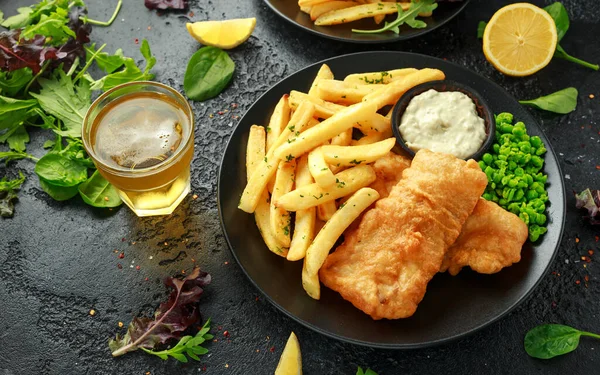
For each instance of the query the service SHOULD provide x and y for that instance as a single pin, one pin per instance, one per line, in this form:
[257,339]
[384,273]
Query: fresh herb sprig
[551,340]
[408,17]
[190,345]
[563,101]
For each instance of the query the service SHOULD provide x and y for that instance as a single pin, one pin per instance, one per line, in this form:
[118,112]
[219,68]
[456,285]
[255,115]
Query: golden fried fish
[384,265]
[491,239]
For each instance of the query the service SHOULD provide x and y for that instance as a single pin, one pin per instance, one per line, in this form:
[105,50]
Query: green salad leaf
[8,194]
[208,72]
[98,192]
[67,101]
[360,371]
[13,82]
[551,340]
[408,17]
[481,29]
[108,63]
[563,101]
[14,111]
[59,170]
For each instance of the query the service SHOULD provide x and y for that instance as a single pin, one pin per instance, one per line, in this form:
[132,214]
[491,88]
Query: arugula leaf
[66,101]
[98,192]
[481,29]
[131,72]
[13,82]
[563,101]
[8,194]
[59,170]
[53,26]
[15,155]
[15,111]
[208,72]
[16,137]
[405,17]
[106,62]
[187,345]
[170,320]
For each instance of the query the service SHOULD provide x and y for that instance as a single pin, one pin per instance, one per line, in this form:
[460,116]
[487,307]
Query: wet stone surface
[59,260]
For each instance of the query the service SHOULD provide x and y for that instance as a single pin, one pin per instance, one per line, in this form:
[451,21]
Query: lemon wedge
[225,34]
[520,39]
[290,362]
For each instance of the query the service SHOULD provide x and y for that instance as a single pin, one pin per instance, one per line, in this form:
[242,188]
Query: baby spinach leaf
[562,54]
[17,138]
[98,192]
[208,72]
[14,111]
[59,170]
[58,193]
[561,18]
[550,340]
[563,101]
[66,101]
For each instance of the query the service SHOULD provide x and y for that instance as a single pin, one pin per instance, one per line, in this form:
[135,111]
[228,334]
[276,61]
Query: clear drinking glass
[140,136]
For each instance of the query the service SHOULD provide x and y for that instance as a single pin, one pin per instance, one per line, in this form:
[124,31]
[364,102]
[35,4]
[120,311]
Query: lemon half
[520,39]
[225,34]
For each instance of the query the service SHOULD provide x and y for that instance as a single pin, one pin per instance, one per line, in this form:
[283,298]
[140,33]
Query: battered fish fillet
[384,265]
[388,170]
[491,239]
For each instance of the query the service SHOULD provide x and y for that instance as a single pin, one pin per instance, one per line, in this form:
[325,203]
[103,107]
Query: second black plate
[290,11]
[453,306]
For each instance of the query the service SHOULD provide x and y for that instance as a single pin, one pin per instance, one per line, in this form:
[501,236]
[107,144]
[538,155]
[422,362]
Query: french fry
[358,12]
[376,123]
[374,78]
[329,234]
[255,152]
[312,195]
[280,218]
[311,138]
[265,170]
[323,73]
[323,109]
[304,224]
[310,3]
[372,138]
[319,169]
[390,94]
[341,92]
[342,139]
[326,210]
[322,8]
[278,121]
[348,156]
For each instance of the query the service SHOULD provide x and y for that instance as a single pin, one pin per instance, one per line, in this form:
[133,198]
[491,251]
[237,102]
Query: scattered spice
[149,28]
[92,312]
[120,324]
[591,252]
[166,243]
[226,334]
[183,272]
[272,349]
[119,266]
[586,278]
[226,365]
[122,255]
[226,263]
[136,41]
[576,240]
[137,268]
[195,196]
[234,105]
[592,96]
[577,282]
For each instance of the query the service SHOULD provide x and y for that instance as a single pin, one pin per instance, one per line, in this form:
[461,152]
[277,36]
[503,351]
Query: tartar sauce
[443,122]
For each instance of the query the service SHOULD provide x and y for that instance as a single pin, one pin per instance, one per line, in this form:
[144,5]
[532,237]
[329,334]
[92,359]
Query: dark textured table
[58,260]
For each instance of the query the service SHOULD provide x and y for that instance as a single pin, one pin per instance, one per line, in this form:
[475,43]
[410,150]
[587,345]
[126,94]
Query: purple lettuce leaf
[166,4]
[590,200]
[171,320]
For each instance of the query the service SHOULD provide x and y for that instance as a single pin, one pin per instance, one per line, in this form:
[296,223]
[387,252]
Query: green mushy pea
[514,171]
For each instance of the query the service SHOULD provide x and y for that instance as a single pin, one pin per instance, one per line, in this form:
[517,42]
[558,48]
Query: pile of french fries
[306,162]
[335,12]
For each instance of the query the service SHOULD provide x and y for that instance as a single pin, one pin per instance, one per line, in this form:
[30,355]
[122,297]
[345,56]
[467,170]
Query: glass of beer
[140,136]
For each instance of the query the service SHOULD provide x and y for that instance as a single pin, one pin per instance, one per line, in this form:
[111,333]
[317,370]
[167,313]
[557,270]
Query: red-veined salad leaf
[590,200]
[166,4]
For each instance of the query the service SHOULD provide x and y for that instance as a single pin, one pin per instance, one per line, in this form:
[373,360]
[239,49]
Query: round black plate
[289,10]
[453,306]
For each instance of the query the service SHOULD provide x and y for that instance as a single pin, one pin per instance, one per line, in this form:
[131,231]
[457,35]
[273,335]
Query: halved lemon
[225,34]
[290,362]
[520,39]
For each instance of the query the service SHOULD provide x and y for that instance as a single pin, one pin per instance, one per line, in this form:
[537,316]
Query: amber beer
[141,138]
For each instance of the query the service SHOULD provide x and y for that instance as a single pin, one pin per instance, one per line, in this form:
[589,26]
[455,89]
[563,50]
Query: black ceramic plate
[289,10]
[453,306]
